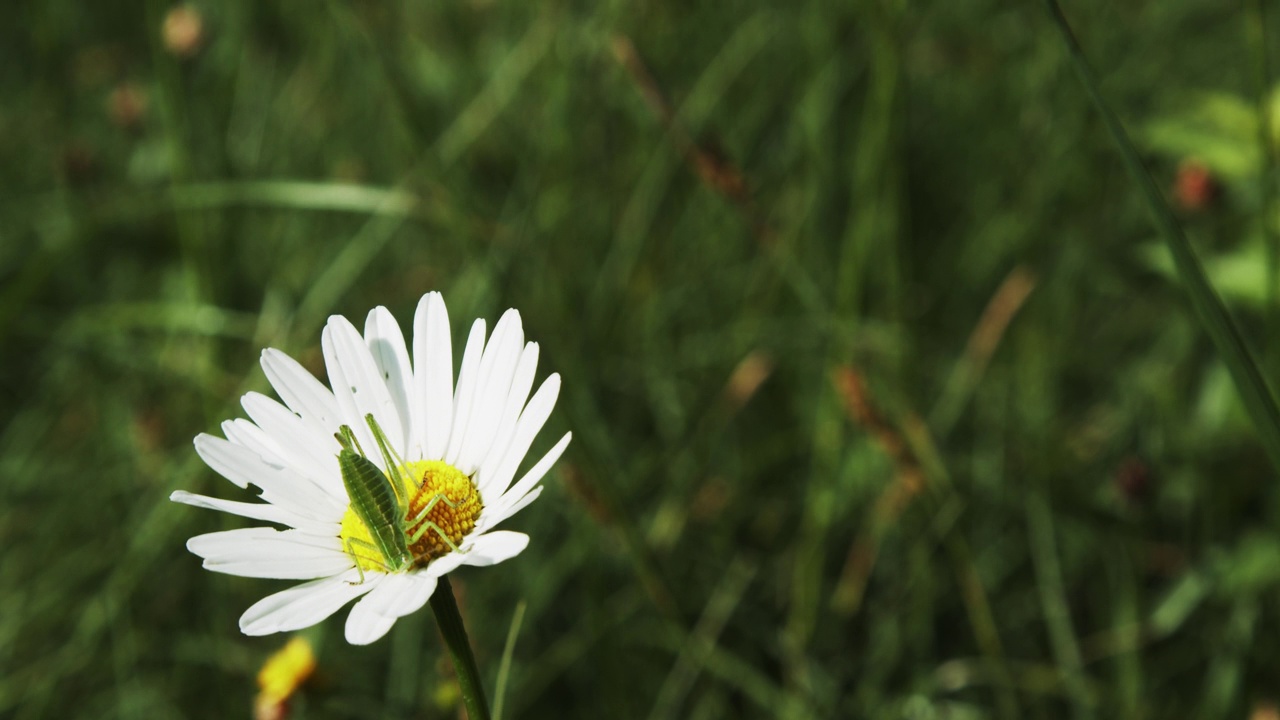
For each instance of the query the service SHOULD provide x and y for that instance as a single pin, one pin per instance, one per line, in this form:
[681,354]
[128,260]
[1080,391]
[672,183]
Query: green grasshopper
[382,506]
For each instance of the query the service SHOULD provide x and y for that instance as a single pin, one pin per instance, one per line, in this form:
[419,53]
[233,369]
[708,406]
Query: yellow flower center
[441,510]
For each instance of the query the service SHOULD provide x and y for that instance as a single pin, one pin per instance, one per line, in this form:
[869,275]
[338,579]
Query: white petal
[531,421]
[433,375]
[256,511]
[408,594]
[365,627]
[348,413]
[305,605]
[447,564]
[492,517]
[465,394]
[531,478]
[397,596]
[313,454]
[521,384]
[391,357]
[304,394]
[269,553]
[494,547]
[246,434]
[362,390]
[492,388]
[280,485]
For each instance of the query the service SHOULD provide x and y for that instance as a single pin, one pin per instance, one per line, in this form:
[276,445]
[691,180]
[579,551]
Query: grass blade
[504,668]
[1210,311]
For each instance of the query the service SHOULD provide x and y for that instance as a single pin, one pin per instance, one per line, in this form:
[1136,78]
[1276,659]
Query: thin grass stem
[504,668]
[1053,601]
[1256,31]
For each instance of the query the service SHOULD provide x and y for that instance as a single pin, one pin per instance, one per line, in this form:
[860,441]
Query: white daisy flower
[457,451]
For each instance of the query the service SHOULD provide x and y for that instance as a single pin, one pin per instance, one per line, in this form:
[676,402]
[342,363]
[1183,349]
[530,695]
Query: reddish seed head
[127,105]
[1195,187]
[1134,480]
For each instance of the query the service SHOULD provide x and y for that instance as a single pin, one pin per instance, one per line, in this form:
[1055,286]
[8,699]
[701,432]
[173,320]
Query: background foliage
[884,402]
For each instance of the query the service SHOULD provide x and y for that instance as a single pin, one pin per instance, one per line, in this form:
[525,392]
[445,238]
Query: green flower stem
[455,637]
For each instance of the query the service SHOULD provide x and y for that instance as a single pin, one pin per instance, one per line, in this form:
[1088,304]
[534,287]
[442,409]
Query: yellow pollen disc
[454,519]
[443,504]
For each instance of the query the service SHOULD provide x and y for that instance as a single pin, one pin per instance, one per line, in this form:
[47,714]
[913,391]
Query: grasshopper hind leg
[428,525]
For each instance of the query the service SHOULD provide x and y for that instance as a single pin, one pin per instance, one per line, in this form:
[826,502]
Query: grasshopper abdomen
[374,501]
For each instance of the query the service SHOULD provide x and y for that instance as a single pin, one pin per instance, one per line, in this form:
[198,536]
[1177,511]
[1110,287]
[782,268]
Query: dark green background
[894,163]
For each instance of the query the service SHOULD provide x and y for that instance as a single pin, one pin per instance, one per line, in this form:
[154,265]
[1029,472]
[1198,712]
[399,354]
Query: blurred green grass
[1096,535]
